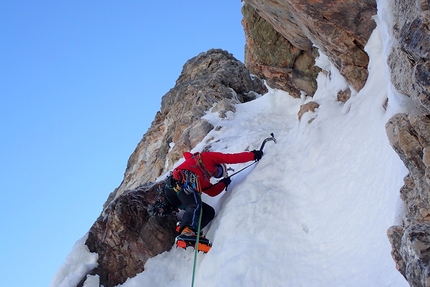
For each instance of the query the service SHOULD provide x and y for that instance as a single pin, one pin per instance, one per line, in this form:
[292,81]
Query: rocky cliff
[282,41]
[409,135]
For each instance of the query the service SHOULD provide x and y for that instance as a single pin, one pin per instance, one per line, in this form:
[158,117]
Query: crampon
[203,246]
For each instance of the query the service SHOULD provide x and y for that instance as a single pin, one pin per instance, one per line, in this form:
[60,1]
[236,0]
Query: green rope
[196,247]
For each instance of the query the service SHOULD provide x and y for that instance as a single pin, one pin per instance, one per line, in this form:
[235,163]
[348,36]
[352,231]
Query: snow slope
[315,210]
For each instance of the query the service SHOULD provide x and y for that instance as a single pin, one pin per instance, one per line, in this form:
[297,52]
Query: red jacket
[209,160]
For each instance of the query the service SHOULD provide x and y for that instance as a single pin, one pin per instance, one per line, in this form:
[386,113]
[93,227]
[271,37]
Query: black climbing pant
[192,204]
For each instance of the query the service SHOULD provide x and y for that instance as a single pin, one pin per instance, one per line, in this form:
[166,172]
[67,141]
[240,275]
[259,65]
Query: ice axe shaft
[272,138]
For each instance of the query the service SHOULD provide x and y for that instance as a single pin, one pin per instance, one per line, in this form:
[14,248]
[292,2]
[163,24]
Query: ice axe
[271,138]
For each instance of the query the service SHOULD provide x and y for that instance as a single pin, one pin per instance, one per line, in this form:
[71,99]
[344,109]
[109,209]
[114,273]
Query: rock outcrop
[125,236]
[410,59]
[410,137]
[286,67]
[339,28]
[409,134]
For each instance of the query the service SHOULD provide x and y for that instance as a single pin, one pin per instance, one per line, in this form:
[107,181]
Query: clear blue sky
[80,83]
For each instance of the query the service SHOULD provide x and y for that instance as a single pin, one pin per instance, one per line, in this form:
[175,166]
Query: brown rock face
[125,236]
[410,59]
[308,107]
[410,137]
[339,28]
[286,67]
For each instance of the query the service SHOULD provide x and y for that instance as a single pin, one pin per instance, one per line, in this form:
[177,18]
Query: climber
[192,177]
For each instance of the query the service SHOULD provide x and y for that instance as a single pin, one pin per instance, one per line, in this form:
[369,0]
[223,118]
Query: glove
[226,181]
[258,154]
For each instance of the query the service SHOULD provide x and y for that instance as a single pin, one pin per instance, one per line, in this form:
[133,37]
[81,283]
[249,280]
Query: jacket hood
[187,155]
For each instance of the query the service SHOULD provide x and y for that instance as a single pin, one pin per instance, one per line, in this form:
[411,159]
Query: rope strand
[196,247]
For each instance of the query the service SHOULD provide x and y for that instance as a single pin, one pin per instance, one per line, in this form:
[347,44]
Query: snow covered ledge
[77,264]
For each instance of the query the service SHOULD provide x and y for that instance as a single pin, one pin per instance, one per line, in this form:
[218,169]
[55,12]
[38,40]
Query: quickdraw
[190,183]
[161,207]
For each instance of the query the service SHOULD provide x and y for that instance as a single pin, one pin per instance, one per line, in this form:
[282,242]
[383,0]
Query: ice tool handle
[272,138]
